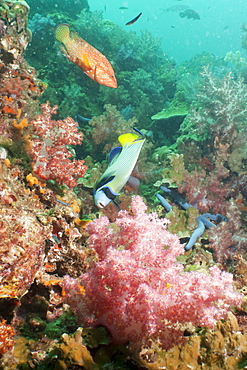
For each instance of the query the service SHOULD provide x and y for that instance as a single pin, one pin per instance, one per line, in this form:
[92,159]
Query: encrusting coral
[220,348]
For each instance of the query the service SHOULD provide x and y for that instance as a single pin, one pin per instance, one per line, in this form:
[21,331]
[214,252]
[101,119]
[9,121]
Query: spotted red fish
[89,59]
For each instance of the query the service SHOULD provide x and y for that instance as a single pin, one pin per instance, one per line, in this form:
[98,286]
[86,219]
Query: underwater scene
[123,185]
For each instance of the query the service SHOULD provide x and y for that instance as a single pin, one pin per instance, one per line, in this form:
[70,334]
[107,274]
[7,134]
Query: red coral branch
[50,157]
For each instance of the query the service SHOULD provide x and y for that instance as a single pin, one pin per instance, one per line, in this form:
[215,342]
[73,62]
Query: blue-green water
[218,31]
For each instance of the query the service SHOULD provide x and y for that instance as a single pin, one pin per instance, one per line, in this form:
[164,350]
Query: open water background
[218,31]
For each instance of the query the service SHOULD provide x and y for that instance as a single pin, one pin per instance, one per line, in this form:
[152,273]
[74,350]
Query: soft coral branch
[50,156]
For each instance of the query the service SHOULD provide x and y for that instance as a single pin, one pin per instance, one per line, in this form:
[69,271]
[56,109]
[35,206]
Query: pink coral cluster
[138,290]
[50,157]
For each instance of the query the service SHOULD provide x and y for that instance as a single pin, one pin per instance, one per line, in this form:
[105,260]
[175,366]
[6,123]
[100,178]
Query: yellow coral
[32,180]
[7,162]
[75,206]
[20,125]
[74,352]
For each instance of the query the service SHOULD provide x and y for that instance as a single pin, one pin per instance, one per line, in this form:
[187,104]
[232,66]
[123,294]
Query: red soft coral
[50,157]
[138,290]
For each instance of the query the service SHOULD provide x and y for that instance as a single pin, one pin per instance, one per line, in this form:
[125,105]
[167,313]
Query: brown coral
[108,126]
[74,352]
[220,348]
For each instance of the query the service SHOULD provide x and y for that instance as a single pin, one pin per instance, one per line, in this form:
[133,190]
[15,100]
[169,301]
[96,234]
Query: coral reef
[74,352]
[107,127]
[47,148]
[124,274]
[221,348]
[138,290]
[177,107]
[211,159]
[220,111]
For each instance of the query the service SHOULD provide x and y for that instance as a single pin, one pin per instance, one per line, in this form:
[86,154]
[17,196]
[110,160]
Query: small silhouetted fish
[190,14]
[123,7]
[225,28]
[133,20]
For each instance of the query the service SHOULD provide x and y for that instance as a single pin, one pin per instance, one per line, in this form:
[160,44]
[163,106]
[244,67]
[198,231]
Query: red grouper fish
[89,59]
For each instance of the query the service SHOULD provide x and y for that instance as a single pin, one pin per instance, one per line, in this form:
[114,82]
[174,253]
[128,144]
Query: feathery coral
[50,157]
[138,290]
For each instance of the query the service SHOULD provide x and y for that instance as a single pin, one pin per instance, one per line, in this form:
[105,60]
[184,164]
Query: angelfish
[90,60]
[122,162]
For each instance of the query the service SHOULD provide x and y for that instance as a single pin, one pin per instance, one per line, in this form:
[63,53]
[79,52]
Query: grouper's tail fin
[62,32]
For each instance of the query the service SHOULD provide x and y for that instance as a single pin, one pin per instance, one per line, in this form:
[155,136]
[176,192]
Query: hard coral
[138,290]
[50,157]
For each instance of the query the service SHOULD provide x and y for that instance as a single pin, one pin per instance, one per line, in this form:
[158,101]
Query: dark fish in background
[123,7]
[190,14]
[133,20]
[175,8]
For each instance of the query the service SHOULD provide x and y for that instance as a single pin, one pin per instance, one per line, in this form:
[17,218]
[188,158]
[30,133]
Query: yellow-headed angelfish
[119,169]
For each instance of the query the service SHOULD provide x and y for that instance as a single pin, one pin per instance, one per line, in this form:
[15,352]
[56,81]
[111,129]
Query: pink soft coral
[138,290]
[50,156]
